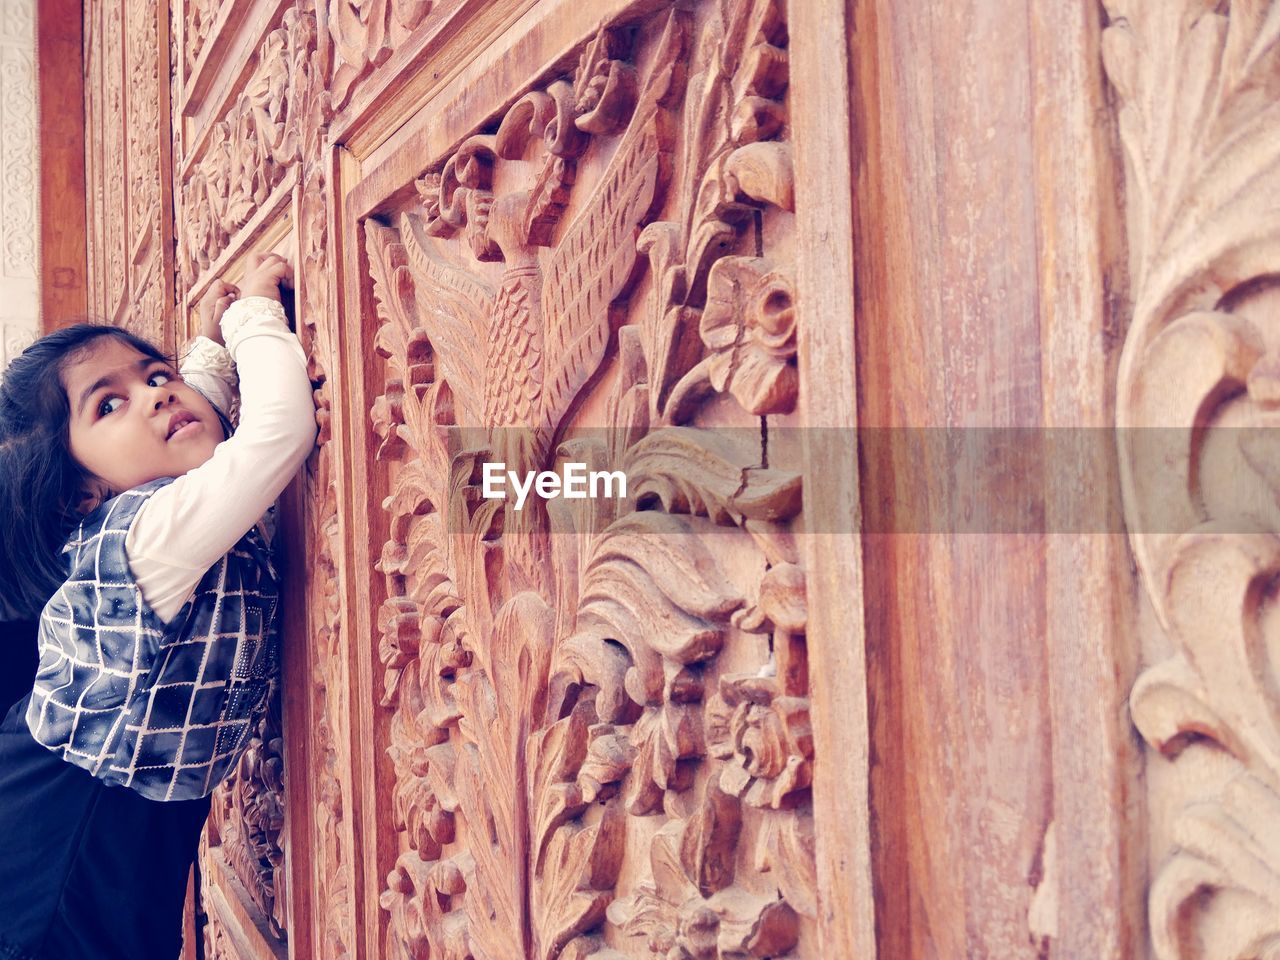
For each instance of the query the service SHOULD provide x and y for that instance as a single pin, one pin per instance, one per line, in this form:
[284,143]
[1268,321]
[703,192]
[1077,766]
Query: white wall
[19,180]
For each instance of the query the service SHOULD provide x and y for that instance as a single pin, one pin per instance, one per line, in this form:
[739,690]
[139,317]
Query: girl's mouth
[186,428]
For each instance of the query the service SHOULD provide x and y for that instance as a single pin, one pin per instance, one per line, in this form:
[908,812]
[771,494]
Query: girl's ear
[94,495]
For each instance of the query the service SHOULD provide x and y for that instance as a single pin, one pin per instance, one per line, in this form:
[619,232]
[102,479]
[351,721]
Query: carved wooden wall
[779,701]
[545,232]
[129,193]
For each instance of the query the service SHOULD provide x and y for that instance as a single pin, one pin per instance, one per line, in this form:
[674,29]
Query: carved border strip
[1203,189]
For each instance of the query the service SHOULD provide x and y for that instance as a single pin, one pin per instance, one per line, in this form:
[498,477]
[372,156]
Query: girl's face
[132,418]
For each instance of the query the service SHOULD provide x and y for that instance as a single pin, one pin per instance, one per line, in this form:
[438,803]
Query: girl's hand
[213,304]
[263,275]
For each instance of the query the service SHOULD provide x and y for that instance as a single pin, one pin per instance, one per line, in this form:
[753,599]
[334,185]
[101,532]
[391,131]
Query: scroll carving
[252,820]
[253,146]
[365,32]
[634,688]
[1197,123]
[198,20]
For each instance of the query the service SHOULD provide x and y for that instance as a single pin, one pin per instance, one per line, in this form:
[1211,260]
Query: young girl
[132,523]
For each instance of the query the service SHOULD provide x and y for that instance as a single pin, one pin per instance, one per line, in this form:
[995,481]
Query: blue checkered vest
[164,709]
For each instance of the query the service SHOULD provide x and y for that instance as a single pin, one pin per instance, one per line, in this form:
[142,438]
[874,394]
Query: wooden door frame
[59,65]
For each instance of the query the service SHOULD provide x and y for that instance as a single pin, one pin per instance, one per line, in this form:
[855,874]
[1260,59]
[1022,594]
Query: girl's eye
[156,378]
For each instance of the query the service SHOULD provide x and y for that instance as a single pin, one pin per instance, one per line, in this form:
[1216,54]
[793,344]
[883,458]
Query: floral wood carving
[1198,114]
[365,32]
[634,689]
[114,233]
[150,295]
[248,814]
[199,17]
[253,146]
[737,162]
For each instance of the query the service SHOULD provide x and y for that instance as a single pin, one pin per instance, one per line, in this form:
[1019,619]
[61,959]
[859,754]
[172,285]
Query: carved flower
[749,324]
[764,736]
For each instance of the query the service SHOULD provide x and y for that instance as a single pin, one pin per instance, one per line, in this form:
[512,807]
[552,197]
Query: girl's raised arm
[188,525]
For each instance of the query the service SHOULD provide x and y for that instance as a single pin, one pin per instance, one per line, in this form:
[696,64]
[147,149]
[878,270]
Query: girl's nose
[165,399]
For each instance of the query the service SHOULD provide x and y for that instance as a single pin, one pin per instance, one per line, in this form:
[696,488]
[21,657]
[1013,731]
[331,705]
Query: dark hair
[41,484]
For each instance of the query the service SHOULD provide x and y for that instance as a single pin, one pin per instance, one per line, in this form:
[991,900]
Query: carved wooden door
[797,694]
[531,233]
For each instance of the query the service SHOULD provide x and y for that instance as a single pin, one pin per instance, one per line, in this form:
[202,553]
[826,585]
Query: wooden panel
[823,134]
[127,157]
[959,675]
[1006,814]
[595,740]
[250,177]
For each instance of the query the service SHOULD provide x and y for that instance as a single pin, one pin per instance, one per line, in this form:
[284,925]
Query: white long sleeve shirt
[188,525]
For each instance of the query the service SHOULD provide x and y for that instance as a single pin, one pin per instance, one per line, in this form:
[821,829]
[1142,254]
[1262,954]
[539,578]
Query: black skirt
[87,869]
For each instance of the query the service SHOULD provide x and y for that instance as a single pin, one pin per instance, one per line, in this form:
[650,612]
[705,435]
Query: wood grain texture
[64,280]
[948,310]
[823,73]
[1089,900]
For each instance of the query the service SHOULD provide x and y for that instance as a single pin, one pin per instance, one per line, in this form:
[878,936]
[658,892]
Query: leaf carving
[596,262]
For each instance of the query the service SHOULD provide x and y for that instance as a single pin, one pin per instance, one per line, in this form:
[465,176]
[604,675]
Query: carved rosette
[635,687]
[1199,377]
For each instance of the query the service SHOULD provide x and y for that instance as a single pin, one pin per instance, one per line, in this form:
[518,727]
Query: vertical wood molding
[1091,875]
[297,724]
[822,126]
[60,75]
[949,346]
